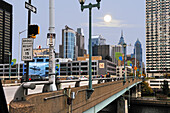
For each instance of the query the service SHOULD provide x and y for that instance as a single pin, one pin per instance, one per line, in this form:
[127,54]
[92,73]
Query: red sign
[135,68]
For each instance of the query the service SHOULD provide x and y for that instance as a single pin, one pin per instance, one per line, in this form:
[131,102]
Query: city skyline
[124,17]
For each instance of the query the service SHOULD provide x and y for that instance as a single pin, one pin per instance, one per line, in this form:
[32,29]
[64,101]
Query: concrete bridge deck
[56,102]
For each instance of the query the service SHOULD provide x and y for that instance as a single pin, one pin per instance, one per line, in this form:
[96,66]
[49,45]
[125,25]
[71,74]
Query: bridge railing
[20,93]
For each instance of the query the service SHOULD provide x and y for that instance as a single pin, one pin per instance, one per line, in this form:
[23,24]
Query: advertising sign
[41,52]
[38,68]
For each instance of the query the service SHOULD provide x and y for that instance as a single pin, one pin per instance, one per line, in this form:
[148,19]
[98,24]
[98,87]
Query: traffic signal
[33,30]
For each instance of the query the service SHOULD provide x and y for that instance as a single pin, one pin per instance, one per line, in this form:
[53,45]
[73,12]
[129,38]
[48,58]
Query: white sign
[30,7]
[101,65]
[51,39]
[27,49]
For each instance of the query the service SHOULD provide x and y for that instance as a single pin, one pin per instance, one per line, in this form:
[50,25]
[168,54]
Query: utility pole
[27,62]
[51,43]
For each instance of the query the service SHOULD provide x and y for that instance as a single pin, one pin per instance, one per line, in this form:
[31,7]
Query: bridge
[75,100]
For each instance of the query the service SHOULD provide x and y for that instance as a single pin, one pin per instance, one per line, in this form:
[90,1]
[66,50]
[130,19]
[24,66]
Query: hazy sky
[127,15]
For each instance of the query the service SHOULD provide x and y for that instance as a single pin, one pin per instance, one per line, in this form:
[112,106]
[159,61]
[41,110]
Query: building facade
[81,68]
[6,16]
[98,40]
[115,48]
[102,50]
[68,49]
[12,72]
[86,57]
[80,42]
[157,37]
[120,71]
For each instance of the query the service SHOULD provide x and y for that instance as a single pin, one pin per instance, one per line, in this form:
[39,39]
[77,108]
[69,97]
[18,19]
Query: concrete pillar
[139,90]
[122,105]
[134,92]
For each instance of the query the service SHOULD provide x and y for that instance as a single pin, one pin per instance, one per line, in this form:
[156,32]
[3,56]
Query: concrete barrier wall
[10,81]
[36,103]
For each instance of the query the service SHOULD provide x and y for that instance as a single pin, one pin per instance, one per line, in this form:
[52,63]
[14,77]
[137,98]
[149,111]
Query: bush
[146,89]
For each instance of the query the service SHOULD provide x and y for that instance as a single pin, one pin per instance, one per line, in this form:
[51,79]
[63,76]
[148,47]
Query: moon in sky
[107,18]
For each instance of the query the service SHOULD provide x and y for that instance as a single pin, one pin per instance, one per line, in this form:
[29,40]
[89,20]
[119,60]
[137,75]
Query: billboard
[41,52]
[38,68]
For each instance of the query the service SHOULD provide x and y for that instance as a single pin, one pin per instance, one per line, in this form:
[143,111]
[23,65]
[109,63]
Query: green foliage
[129,62]
[146,89]
[117,55]
[165,87]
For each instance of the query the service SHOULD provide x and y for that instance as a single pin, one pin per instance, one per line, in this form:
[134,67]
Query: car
[83,78]
[31,78]
[69,78]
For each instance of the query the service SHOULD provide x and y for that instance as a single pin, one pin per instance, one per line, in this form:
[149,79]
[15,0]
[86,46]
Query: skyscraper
[5,32]
[121,41]
[80,42]
[138,51]
[68,49]
[157,37]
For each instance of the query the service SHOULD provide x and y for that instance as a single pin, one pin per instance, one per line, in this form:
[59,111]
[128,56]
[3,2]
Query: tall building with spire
[157,37]
[121,41]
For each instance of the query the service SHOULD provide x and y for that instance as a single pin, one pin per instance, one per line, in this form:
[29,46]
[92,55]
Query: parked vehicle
[31,78]
[83,78]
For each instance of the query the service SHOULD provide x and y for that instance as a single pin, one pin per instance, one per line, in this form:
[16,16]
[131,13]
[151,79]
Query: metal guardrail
[20,93]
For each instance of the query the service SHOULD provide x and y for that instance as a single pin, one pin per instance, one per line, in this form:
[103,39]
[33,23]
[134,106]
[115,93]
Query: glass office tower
[68,49]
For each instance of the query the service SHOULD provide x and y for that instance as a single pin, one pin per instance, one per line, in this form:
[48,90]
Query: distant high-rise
[5,32]
[98,40]
[80,42]
[157,37]
[121,41]
[115,48]
[138,51]
[68,49]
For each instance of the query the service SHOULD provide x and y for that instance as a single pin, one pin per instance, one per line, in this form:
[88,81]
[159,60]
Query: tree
[146,89]
[165,87]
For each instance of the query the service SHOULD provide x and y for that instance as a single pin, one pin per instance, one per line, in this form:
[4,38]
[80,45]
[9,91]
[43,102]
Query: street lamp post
[124,47]
[9,66]
[90,6]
